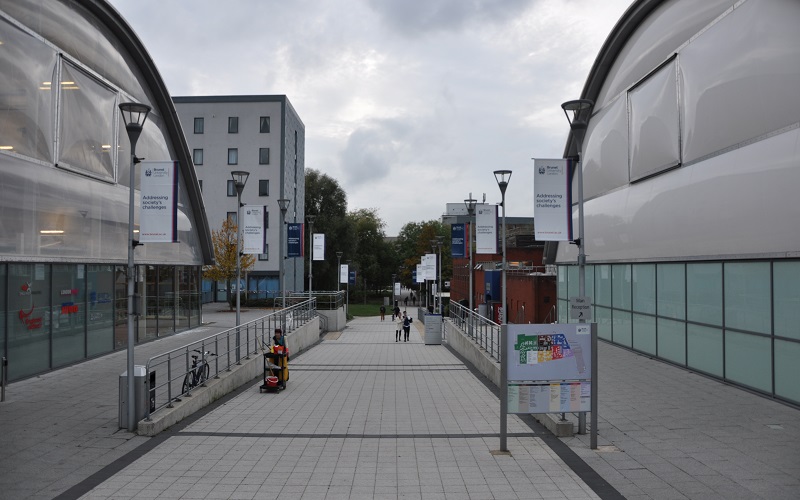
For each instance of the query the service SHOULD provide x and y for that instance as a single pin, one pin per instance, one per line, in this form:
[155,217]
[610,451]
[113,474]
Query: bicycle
[199,372]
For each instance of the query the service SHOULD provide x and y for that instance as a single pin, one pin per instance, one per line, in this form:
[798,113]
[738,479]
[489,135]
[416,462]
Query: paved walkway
[365,417]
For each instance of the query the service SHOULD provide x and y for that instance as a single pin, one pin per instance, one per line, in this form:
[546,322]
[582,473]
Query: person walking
[383,313]
[398,327]
[406,326]
[405,300]
[396,312]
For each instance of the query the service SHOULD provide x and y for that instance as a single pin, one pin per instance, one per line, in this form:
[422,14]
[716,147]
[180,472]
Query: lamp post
[470,203]
[283,204]
[347,307]
[239,180]
[434,249]
[310,219]
[134,115]
[338,271]
[502,177]
[581,110]
[440,244]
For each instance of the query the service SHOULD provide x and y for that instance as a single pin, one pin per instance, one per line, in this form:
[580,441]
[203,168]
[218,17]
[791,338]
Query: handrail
[552,315]
[485,332]
[246,338]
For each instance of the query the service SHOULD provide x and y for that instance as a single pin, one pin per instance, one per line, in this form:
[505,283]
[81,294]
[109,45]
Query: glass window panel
[573,281]
[787,370]
[753,67]
[704,349]
[563,311]
[644,288]
[672,340]
[623,328]
[86,124]
[233,124]
[263,126]
[590,283]
[197,156]
[150,297]
[604,325]
[704,293]
[748,360]
[671,291]
[199,125]
[100,288]
[68,313]
[231,188]
[233,156]
[747,296]
[27,101]
[196,298]
[644,333]
[263,187]
[621,286]
[3,312]
[167,300]
[28,319]
[263,156]
[120,309]
[654,134]
[603,285]
[786,298]
[562,282]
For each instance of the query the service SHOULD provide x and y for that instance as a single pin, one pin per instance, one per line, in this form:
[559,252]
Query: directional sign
[580,308]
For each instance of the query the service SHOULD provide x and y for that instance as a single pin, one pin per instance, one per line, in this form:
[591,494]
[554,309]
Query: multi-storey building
[262,135]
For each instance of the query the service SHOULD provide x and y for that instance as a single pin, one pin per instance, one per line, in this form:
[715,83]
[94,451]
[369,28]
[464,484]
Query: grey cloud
[412,17]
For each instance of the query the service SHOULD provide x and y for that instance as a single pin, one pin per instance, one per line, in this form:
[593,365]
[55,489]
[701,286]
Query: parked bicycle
[199,372]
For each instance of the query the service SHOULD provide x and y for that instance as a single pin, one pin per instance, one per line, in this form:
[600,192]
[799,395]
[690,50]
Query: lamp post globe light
[283,205]
[310,219]
[502,177]
[239,180]
[581,110]
[134,114]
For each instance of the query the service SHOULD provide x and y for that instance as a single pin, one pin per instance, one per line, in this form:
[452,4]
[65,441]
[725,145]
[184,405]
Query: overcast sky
[408,104]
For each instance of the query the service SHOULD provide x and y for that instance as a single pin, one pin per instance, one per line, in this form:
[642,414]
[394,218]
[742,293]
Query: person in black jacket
[406,327]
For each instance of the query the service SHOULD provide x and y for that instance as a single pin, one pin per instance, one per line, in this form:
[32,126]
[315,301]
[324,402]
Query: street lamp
[502,177]
[134,115]
[310,219]
[440,244]
[581,111]
[338,271]
[470,203]
[283,204]
[239,180]
[394,277]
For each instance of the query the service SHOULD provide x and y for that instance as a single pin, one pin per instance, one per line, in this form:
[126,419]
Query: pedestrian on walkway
[383,313]
[398,327]
[406,326]
[405,300]
[413,299]
[396,313]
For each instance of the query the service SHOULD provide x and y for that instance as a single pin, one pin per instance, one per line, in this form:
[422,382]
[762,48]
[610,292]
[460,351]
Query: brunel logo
[148,172]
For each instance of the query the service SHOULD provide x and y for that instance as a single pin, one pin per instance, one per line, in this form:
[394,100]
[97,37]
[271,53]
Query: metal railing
[484,332]
[326,301]
[227,349]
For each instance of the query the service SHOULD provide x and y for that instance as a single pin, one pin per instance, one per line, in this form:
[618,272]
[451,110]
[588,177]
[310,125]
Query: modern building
[691,167]
[65,66]
[262,135]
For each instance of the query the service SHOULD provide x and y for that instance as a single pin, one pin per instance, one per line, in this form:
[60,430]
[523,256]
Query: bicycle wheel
[186,384]
[204,374]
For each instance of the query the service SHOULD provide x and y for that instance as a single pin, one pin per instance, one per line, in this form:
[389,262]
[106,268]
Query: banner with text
[420,275]
[458,247]
[158,214]
[343,273]
[254,234]
[485,228]
[429,262]
[552,200]
[318,250]
[295,240]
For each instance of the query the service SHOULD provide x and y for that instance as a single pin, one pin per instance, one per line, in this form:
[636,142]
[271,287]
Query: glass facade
[738,321]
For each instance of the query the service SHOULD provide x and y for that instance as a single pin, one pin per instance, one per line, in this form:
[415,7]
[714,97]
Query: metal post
[338,272]
[595,392]
[239,180]
[310,252]
[502,177]
[283,204]
[4,374]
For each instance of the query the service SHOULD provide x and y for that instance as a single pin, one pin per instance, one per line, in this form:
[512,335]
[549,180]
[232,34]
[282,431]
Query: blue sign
[294,239]
[457,242]
[352,278]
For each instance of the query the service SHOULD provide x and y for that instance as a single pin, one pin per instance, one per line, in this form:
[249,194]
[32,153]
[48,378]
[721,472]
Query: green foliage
[224,269]
[327,202]
[414,241]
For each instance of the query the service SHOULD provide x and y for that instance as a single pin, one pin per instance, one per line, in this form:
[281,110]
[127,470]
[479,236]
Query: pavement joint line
[413,368]
[277,435]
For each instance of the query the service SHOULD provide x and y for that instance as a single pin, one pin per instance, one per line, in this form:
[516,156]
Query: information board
[558,397]
[553,352]
[433,329]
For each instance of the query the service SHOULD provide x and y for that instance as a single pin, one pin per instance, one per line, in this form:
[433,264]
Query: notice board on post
[549,368]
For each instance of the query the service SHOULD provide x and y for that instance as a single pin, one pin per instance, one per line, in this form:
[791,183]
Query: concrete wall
[297,341]
[336,320]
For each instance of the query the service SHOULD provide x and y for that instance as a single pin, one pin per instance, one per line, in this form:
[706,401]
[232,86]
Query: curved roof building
[691,163]
[65,65]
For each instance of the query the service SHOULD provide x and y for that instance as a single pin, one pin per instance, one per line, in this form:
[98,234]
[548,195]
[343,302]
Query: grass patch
[366,309]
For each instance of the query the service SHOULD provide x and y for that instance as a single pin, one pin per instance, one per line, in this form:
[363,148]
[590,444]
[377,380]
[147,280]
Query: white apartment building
[262,135]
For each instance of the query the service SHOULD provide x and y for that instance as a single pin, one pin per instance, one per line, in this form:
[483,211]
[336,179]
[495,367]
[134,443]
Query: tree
[414,241]
[224,240]
[327,202]
[374,258]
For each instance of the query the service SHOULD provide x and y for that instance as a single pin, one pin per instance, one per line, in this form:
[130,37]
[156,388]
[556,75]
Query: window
[233,217]
[233,156]
[197,156]
[231,188]
[263,125]
[263,187]
[233,124]
[263,156]
[199,125]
